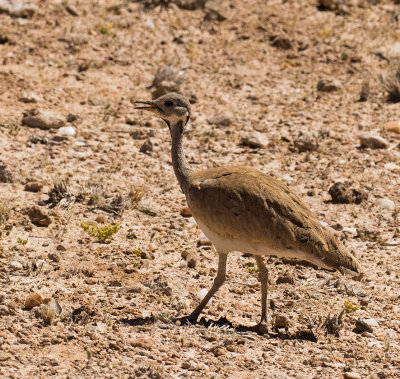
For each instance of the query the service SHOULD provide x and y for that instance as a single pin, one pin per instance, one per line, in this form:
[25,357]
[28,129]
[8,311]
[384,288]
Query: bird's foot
[261,328]
[186,320]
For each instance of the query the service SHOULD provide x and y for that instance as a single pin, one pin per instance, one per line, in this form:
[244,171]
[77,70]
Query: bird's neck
[181,167]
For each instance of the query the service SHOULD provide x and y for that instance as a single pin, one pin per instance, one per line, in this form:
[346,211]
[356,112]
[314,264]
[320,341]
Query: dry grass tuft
[391,84]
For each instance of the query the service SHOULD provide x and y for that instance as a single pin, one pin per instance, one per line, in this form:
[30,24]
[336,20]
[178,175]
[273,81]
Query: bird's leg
[261,327]
[218,281]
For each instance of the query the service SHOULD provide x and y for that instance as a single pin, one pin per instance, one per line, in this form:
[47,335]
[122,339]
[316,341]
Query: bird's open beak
[149,105]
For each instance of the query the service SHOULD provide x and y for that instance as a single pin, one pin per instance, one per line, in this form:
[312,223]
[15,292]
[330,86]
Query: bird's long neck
[181,167]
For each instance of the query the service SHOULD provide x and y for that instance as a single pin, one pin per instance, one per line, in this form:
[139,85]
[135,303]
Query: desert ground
[98,252]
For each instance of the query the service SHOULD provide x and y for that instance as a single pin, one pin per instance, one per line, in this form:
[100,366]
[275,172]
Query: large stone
[43,119]
[342,193]
[306,141]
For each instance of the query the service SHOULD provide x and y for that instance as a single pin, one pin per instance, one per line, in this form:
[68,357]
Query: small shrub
[253,269]
[101,233]
[350,307]
[22,241]
[391,84]
[105,29]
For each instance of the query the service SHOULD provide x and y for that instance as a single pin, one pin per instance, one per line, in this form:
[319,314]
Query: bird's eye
[168,103]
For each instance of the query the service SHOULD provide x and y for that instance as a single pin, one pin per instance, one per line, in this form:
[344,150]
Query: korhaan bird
[241,209]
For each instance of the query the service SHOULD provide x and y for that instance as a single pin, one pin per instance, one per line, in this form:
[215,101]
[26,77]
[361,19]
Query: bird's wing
[243,204]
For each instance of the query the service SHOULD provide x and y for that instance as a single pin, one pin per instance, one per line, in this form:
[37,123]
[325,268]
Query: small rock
[147,146]
[33,187]
[185,212]
[61,248]
[90,281]
[152,246]
[306,141]
[203,240]
[72,117]
[351,375]
[328,85]
[115,283]
[366,325]
[101,219]
[393,126]
[68,131]
[392,166]
[255,140]
[54,257]
[53,305]
[43,119]
[342,193]
[39,217]
[5,174]
[281,41]
[373,141]
[287,278]
[145,255]
[215,11]
[144,342]
[281,321]
[385,204]
[29,97]
[202,293]
[33,300]
[223,119]
[17,8]
[16,266]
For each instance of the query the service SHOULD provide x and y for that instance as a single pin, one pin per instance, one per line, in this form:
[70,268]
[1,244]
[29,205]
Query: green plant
[350,307]
[253,269]
[101,233]
[105,29]
[22,241]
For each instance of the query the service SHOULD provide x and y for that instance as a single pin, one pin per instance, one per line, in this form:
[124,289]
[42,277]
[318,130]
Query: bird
[241,209]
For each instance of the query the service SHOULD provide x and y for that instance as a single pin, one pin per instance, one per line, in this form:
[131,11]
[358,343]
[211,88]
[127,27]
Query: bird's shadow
[306,335]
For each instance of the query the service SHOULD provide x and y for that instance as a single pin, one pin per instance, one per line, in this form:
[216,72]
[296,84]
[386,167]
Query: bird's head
[173,108]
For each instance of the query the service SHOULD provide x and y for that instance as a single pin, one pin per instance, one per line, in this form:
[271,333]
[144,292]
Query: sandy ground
[249,66]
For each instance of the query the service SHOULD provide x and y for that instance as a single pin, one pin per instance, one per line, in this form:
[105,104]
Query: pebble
[254,140]
[393,126]
[33,187]
[281,321]
[43,119]
[351,375]
[185,212]
[15,265]
[39,217]
[287,278]
[385,204]
[152,246]
[306,141]
[29,97]
[342,193]
[202,293]
[147,146]
[90,281]
[68,131]
[392,166]
[328,85]
[54,257]
[203,240]
[223,119]
[61,248]
[144,342]
[373,141]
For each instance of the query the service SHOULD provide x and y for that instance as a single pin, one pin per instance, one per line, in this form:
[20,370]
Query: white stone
[392,166]
[371,322]
[350,230]
[68,131]
[16,265]
[385,204]
[202,293]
